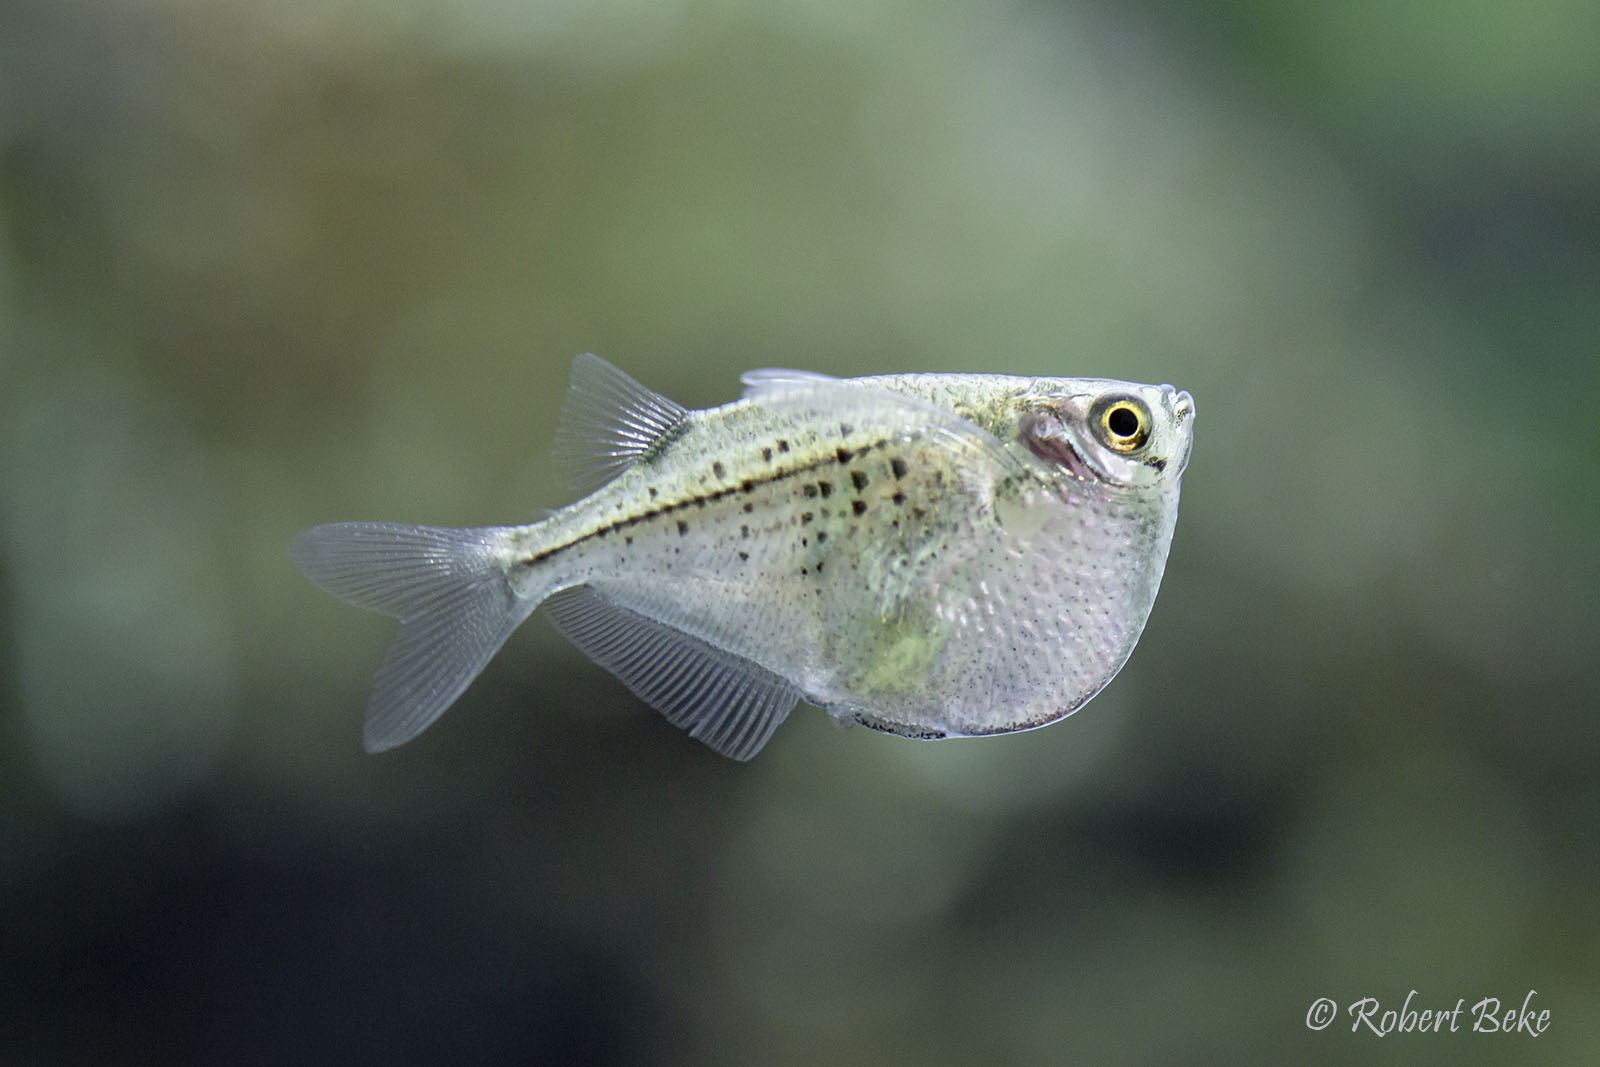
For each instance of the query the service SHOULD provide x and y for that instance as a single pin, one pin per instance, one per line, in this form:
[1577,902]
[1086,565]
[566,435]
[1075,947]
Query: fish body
[932,555]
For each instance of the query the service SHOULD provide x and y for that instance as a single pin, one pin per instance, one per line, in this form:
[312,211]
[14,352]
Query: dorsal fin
[608,422]
[768,379]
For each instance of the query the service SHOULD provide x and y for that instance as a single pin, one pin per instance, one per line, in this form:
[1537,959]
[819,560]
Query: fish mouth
[1182,412]
[1182,403]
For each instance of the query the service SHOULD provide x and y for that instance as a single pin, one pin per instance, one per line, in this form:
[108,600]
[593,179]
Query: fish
[930,555]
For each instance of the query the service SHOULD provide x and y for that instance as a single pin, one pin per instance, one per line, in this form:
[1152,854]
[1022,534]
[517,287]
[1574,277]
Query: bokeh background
[267,265]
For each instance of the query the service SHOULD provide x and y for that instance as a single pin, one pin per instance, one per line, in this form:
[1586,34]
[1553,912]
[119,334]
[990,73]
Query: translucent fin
[722,699]
[608,422]
[768,379]
[449,590]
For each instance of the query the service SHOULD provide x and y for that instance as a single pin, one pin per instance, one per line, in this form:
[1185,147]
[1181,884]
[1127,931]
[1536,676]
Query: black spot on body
[620,523]
[898,465]
[766,454]
[858,479]
[822,535]
[899,498]
[809,490]
[744,532]
[845,429]
[824,488]
[843,454]
[627,540]
[718,469]
[858,506]
[743,556]
[819,566]
[805,517]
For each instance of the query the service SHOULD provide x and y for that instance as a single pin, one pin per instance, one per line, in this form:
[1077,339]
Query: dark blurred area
[264,266]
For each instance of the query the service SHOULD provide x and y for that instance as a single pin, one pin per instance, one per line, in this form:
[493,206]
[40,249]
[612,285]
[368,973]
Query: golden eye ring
[1122,423]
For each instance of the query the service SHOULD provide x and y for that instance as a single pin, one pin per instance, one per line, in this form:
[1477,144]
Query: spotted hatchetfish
[934,555]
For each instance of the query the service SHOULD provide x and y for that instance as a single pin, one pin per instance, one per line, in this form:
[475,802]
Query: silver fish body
[932,555]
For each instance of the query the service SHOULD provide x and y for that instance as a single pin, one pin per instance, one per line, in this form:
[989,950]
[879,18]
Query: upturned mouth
[1182,404]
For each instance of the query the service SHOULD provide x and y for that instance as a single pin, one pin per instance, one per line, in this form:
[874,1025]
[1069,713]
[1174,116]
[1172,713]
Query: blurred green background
[268,265]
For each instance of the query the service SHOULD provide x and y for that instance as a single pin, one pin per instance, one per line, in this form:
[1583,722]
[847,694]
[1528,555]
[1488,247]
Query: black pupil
[1122,422]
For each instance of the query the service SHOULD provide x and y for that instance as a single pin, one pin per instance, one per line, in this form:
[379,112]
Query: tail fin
[450,591]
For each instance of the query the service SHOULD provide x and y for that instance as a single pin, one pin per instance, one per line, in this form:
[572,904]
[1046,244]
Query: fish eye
[1122,423]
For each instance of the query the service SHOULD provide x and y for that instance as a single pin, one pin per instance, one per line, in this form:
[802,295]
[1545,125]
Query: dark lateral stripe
[702,499]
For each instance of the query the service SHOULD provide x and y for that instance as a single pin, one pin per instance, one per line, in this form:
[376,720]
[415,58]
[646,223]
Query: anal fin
[724,700]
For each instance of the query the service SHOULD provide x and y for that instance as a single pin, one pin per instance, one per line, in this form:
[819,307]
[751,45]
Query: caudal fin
[449,589]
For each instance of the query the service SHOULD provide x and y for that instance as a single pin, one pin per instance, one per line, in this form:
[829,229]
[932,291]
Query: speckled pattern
[899,563]
[931,555]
